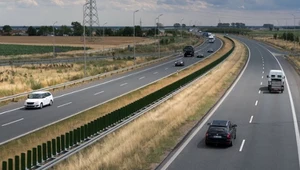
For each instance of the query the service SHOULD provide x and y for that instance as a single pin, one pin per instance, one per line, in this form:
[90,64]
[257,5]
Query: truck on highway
[276,81]
[211,39]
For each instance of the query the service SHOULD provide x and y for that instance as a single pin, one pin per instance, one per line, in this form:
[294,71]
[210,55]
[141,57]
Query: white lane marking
[242,145]
[166,68]
[263,72]
[260,83]
[263,68]
[99,93]
[11,110]
[251,118]
[256,102]
[186,142]
[141,78]
[155,73]
[15,121]
[262,77]
[123,84]
[64,105]
[259,92]
[296,127]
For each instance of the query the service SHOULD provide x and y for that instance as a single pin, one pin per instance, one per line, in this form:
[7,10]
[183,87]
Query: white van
[276,80]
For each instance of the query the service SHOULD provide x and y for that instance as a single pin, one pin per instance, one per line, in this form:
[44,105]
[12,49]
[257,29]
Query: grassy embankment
[17,79]
[143,143]
[32,140]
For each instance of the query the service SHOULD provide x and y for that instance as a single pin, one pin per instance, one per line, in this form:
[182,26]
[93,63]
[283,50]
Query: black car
[220,132]
[179,63]
[200,55]
[210,50]
[188,51]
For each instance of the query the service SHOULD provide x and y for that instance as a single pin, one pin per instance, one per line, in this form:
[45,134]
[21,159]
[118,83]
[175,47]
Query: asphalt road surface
[267,132]
[15,121]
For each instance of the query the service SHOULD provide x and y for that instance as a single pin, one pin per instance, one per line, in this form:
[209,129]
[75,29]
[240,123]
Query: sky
[120,12]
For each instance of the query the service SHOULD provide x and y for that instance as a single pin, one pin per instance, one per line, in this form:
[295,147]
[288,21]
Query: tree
[64,30]
[275,36]
[151,32]
[128,31]
[138,31]
[183,25]
[31,31]
[176,25]
[44,30]
[77,28]
[7,29]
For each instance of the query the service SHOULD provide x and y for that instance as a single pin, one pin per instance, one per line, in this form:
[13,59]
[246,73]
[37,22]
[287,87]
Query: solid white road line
[64,105]
[259,92]
[99,93]
[12,122]
[155,73]
[295,120]
[242,145]
[256,102]
[141,78]
[123,84]
[260,83]
[251,118]
[186,142]
[166,68]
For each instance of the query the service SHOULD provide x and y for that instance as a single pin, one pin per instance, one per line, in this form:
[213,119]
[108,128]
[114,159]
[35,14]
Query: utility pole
[159,36]
[294,32]
[104,29]
[84,49]
[181,28]
[53,39]
[134,35]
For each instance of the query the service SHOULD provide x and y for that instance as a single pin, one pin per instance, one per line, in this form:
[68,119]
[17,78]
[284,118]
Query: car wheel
[230,144]
[41,105]
[206,143]
[51,102]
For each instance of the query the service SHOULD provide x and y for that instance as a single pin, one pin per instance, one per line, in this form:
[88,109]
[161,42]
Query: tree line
[287,36]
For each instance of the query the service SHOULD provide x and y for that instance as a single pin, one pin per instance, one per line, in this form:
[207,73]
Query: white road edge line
[141,78]
[242,145]
[251,118]
[256,102]
[123,84]
[292,107]
[64,105]
[15,121]
[98,93]
[180,149]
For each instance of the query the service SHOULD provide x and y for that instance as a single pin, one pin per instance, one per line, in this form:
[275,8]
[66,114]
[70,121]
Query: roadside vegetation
[145,142]
[27,142]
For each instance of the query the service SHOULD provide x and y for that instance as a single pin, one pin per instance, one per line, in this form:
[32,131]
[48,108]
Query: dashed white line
[166,68]
[263,68]
[99,93]
[259,92]
[256,102]
[262,77]
[263,64]
[251,118]
[15,121]
[155,73]
[263,72]
[242,145]
[64,105]
[141,78]
[260,83]
[123,84]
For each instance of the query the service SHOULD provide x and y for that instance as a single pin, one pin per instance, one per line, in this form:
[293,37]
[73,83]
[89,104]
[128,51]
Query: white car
[39,99]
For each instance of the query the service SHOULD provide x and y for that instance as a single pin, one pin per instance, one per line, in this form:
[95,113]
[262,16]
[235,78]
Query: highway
[267,132]
[15,121]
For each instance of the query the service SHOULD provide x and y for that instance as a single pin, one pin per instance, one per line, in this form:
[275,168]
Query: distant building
[268,26]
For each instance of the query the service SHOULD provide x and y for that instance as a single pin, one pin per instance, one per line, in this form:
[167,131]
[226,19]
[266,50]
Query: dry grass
[286,45]
[32,140]
[148,138]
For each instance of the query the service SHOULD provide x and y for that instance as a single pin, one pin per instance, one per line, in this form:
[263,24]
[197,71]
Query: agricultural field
[13,50]
[267,33]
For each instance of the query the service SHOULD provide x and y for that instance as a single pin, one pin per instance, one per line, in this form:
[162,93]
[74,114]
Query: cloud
[27,3]
[58,2]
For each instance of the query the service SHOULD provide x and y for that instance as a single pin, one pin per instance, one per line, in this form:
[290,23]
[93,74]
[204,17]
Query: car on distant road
[188,51]
[179,63]
[39,99]
[200,55]
[220,132]
[210,50]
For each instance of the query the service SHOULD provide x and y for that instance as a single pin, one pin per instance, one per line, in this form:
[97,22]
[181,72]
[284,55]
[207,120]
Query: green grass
[11,49]
[268,33]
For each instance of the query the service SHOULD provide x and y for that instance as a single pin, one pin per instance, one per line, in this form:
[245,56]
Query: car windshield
[217,128]
[35,96]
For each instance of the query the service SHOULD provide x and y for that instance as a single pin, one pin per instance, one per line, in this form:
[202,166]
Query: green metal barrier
[34,156]
[4,165]
[23,163]
[17,162]
[29,163]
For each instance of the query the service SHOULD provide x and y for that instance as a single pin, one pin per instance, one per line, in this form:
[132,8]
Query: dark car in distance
[220,132]
[188,51]
[179,63]
[210,50]
[200,55]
